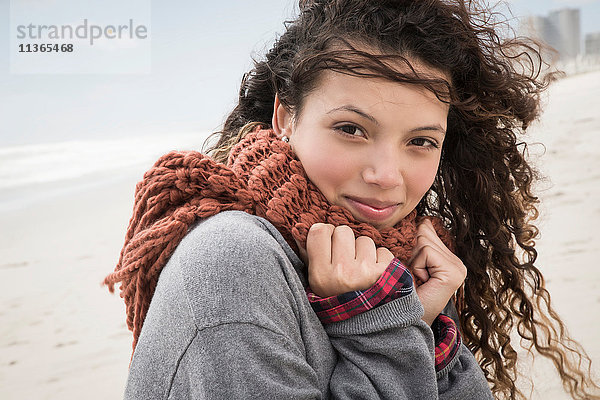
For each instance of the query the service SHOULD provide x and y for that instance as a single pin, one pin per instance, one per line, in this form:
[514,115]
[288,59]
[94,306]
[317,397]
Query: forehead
[385,99]
[333,82]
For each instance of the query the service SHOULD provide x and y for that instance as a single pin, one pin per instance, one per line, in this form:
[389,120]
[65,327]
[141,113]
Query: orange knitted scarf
[262,177]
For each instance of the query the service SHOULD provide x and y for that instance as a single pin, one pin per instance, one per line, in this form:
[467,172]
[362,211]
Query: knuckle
[343,229]
[384,255]
[426,247]
[343,233]
[425,227]
[317,226]
[464,271]
[315,282]
[459,274]
[320,228]
[421,239]
[365,240]
[425,221]
[384,251]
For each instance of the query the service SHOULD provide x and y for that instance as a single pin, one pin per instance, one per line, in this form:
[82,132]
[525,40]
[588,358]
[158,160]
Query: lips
[372,209]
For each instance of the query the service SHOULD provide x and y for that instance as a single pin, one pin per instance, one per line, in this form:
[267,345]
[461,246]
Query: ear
[282,119]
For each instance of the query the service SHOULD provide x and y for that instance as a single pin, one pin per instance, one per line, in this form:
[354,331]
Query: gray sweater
[230,320]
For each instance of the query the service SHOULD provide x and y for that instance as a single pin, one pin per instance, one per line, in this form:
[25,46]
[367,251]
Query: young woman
[363,228]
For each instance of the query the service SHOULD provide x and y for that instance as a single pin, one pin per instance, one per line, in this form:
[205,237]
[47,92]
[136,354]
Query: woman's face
[370,145]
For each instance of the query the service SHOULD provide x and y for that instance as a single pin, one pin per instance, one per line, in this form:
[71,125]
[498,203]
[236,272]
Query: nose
[384,168]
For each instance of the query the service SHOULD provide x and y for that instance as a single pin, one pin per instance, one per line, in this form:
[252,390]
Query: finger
[438,265]
[342,245]
[365,250]
[422,240]
[419,264]
[302,252]
[420,274]
[384,256]
[424,243]
[318,244]
[427,236]
[425,229]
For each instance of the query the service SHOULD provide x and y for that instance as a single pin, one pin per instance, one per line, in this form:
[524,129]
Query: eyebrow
[437,127]
[355,110]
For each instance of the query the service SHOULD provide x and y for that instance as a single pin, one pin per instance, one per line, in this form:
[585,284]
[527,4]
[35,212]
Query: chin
[380,225]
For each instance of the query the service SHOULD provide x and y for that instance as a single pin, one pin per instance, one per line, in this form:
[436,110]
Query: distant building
[566,32]
[560,30]
[538,28]
[535,26]
[592,44]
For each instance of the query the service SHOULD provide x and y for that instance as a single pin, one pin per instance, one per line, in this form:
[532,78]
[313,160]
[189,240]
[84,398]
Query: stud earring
[285,139]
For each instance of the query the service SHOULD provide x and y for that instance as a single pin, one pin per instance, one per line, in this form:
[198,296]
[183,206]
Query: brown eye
[424,142]
[350,130]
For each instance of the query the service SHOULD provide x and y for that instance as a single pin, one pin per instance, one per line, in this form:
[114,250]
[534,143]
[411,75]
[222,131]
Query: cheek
[329,171]
[421,179]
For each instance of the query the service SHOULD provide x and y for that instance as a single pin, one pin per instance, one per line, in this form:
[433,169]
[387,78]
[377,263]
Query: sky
[198,53]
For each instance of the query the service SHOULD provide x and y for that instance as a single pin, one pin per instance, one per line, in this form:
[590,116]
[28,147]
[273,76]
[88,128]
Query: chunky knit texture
[262,177]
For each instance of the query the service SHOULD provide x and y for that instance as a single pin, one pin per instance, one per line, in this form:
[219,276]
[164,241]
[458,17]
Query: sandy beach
[63,336]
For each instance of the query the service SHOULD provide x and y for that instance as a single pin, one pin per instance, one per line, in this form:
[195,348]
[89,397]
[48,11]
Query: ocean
[30,173]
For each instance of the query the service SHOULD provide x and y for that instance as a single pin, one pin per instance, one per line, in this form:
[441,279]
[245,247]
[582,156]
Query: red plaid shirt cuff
[447,340]
[395,282]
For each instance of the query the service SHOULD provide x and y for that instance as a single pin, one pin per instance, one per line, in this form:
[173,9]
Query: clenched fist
[437,271]
[339,263]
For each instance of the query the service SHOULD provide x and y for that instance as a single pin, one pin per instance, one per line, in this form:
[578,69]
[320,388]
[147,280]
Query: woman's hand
[339,263]
[438,272]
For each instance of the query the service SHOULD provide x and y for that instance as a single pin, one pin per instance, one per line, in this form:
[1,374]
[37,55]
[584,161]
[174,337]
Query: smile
[372,210]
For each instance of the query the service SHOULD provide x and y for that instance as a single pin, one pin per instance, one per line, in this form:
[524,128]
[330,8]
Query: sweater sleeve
[388,352]
[244,361]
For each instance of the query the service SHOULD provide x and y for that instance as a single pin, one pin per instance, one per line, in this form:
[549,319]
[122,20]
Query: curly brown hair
[483,190]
